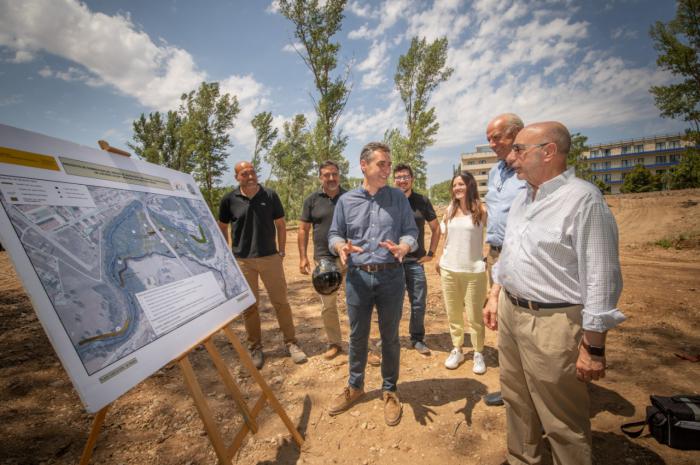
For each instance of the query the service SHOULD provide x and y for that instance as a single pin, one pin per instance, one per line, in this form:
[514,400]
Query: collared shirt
[562,246]
[367,220]
[318,210]
[422,211]
[503,186]
[253,231]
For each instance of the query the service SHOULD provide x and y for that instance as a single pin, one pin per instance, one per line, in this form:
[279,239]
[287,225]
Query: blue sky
[85,71]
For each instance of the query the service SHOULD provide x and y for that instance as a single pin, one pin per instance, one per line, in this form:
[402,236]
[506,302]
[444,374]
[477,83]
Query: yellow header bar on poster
[32,160]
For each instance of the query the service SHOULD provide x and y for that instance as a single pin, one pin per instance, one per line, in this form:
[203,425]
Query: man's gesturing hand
[397,250]
[344,250]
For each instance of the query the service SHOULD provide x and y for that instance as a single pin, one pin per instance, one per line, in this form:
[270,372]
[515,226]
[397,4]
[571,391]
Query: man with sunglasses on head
[318,211]
[555,293]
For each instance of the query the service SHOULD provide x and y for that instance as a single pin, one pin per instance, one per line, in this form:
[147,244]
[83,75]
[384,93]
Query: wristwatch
[430,253]
[598,351]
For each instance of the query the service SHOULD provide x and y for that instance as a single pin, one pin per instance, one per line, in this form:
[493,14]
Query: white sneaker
[456,357]
[479,365]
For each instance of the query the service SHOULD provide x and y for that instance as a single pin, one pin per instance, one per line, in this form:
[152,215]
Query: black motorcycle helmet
[326,277]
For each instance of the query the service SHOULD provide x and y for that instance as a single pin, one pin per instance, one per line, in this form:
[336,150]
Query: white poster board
[122,259]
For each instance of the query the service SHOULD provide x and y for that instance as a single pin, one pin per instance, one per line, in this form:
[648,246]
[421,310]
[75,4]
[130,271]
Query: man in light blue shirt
[372,230]
[503,185]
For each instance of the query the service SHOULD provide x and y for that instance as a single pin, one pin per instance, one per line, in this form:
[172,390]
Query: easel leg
[94,434]
[274,403]
[204,411]
[231,385]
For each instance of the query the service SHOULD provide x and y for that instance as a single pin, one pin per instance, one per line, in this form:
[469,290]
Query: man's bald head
[554,131]
[242,165]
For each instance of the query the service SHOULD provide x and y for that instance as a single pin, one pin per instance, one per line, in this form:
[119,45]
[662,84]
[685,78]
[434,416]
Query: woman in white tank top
[462,269]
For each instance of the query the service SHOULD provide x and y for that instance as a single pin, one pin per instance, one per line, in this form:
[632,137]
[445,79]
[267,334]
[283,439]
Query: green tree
[640,179]
[686,174]
[418,74]
[265,135]
[157,139]
[575,157]
[315,23]
[209,116]
[291,165]
[440,193]
[678,44]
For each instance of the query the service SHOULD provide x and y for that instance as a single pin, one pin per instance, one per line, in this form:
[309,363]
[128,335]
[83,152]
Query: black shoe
[493,399]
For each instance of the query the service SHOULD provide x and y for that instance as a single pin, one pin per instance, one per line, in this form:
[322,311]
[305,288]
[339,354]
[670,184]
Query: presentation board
[124,263]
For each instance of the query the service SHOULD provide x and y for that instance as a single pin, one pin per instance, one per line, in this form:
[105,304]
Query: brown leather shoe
[344,400]
[392,408]
[374,359]
[332,351]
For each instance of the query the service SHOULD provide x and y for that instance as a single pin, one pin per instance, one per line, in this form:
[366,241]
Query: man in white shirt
[555,293]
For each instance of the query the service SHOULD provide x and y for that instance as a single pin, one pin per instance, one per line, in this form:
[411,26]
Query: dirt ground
[445,420]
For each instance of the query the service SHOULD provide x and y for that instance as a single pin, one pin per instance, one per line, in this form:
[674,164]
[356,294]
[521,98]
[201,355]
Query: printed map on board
[93,261]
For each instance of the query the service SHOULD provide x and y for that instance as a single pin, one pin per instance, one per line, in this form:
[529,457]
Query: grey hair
[372,147]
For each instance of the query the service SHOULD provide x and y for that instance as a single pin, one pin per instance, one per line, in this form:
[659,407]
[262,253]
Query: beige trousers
[271,272]
[464,291]
[537,356]
[329,311]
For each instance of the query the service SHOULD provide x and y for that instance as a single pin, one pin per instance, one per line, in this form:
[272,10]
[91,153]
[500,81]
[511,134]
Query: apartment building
[612,161]
[479,163]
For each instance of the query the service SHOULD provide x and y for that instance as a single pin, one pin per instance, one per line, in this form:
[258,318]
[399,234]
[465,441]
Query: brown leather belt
[374,267]
[524,303]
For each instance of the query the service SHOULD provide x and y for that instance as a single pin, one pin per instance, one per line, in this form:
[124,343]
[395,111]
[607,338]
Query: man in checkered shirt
[555,293]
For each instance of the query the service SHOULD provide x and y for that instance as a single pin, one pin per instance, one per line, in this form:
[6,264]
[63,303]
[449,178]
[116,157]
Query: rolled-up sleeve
[409,231]
[599,267]
[338,231]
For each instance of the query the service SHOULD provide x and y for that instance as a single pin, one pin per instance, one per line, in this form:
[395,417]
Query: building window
[674,158]
[606,165]
[639,148]
[626,149]
[661,159]
[606,152]
[482,183]
[640,161]
[470,162]
[484,172]
[661,146]
[674,144]
[594,153]
[482,162]
[595,177]
[626,163]
[607,177]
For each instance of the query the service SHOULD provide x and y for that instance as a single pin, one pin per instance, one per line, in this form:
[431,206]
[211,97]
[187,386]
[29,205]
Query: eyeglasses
[522,148]
[403,178]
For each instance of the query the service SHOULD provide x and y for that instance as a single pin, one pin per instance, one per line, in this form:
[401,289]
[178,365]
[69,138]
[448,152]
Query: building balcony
[638,154]
[630,168]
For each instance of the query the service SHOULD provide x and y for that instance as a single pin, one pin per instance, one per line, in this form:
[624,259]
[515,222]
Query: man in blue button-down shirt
[372,230]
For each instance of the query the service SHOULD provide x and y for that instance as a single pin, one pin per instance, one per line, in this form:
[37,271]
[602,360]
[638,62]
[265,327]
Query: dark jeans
[416,286]
[363,291]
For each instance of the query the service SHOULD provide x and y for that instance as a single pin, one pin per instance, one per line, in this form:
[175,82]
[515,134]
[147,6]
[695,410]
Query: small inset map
[122,268]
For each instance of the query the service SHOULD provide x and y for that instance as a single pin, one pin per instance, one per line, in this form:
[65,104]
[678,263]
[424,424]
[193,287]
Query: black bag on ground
[674,421]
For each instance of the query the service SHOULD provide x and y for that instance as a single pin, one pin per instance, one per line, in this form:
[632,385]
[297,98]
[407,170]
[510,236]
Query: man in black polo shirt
[318,211]
[256,215]
[416,284]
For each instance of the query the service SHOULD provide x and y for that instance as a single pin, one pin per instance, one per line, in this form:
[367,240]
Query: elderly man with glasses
[555,293]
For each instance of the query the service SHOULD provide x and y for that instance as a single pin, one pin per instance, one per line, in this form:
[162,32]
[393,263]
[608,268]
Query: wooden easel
[225,454]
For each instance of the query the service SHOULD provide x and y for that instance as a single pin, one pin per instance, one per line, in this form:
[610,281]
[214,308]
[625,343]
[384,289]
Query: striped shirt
[562,246]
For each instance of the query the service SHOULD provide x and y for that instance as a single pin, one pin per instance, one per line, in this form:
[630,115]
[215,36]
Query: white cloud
[22,56]
[292,48]
[365,124]
[363,11]
[388,14]
[374,65]
[623,32]
[111,51]
[273,7]
[444,19]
